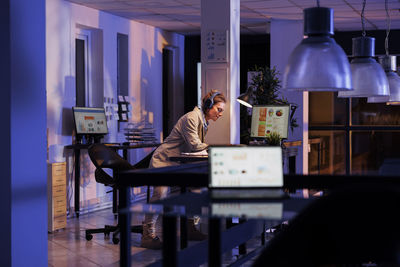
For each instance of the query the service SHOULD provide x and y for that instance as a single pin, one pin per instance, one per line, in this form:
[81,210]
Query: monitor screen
[90,120]
[268,119]
[248,166]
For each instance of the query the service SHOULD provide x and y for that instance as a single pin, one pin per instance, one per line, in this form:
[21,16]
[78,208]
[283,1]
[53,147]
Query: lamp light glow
[246,98]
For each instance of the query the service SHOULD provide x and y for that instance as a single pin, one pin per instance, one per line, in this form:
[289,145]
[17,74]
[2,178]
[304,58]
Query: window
[82,68]
[354,137]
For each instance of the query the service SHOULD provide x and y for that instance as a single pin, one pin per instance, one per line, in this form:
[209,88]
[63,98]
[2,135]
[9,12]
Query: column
[220,64]
[285,36]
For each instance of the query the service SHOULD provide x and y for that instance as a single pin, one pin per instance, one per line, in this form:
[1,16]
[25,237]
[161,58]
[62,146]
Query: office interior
[38,74]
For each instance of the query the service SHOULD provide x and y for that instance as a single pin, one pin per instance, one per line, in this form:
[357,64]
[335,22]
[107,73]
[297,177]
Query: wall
[5,135]
[282,46]
[23,154]
[145,84]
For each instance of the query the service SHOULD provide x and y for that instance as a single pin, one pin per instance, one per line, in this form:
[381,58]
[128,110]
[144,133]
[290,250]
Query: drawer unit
[57,196]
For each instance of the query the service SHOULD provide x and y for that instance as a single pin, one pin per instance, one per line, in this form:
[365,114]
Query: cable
[388,22]
[363,18]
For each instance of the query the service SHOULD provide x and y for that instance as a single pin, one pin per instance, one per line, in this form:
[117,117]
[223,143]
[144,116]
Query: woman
[186,136]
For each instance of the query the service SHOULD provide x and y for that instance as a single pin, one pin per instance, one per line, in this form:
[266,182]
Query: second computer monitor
[267,119]
[90,121]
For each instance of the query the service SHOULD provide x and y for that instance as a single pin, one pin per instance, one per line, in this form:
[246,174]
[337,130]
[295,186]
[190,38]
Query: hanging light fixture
[318,63]
[388,63]
[247,98]
[369,79]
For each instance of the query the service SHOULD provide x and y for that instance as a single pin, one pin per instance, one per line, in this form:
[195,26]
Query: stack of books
[140,133]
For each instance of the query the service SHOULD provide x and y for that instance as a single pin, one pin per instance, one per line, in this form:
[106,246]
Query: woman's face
[216,111]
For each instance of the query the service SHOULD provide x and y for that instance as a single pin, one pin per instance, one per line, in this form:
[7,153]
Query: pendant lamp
[246,98]
[369,79]
[389,65]
[318,63]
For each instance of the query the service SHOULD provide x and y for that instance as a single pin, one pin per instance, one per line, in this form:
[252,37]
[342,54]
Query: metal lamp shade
[369,78]
[318,63]
[389,65]
[394,88]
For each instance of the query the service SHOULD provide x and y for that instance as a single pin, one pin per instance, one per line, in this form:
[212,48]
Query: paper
[199,153]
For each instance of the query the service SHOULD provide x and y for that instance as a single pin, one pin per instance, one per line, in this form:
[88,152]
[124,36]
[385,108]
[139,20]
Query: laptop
[245,172]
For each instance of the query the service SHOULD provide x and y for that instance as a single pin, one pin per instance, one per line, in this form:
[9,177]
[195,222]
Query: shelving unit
[57,196]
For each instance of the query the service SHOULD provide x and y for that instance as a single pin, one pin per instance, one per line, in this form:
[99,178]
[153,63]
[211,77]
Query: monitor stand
[87,139]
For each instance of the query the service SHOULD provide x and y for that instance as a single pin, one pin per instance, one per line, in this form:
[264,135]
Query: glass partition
[375,152]
[327,109]
[352,137]
[363,113]
[327,152]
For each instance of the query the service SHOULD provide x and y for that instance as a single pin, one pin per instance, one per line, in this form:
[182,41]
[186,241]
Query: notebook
[245,172]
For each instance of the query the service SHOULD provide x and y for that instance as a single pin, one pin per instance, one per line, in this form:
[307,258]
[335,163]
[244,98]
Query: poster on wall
[268,119]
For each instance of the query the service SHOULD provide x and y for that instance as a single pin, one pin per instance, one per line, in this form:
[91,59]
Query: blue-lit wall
[37,81]
[5,81]
[23,134]
[145,82]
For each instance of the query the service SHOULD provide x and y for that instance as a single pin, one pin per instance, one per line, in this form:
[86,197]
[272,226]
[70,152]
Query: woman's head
[213,105]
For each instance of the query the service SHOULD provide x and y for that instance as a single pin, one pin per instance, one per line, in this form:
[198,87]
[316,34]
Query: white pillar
[285,36]
[220,64]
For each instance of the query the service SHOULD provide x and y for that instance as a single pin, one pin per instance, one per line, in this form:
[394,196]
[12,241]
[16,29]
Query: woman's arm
[190,134]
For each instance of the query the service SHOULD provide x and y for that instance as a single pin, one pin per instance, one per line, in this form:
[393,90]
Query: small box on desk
[57,195]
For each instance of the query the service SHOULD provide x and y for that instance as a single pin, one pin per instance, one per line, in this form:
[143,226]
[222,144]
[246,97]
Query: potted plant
[264,89]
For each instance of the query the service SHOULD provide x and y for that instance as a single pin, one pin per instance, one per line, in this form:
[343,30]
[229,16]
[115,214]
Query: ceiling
[183,16]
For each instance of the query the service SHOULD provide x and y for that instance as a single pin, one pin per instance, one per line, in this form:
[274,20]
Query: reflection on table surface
[201,204]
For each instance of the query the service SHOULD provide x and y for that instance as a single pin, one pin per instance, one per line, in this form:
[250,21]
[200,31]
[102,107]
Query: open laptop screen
[245,167]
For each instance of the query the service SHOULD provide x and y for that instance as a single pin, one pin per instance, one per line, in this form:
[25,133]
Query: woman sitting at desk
[186,136]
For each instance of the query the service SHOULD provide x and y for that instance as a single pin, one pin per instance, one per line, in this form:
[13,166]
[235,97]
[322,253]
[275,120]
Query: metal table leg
[214,242]
[77,153]
[125,231]
[170,253]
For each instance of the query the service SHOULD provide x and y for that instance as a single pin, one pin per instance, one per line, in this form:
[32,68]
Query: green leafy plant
[273,139]
[266,86]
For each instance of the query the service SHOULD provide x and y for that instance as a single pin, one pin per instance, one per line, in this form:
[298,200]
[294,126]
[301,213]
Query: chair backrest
[104,157]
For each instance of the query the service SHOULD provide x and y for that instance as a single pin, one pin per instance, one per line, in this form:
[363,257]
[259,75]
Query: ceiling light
[318,63]
[389,65]
[369,79]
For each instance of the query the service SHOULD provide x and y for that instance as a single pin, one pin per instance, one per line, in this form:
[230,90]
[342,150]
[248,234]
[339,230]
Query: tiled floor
[69,248]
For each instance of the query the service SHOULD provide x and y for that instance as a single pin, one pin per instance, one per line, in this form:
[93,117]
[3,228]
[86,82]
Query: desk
[196,175]
[268,213]
[77,153]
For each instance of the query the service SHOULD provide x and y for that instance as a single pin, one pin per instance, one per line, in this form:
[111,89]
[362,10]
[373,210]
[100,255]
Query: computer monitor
[245,167]
[266,119]
[90,121]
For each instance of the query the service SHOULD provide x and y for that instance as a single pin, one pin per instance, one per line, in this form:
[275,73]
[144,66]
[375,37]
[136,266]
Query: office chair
[104,157]
[350,226]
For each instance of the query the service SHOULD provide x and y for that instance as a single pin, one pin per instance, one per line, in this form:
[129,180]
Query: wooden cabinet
[57,196]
